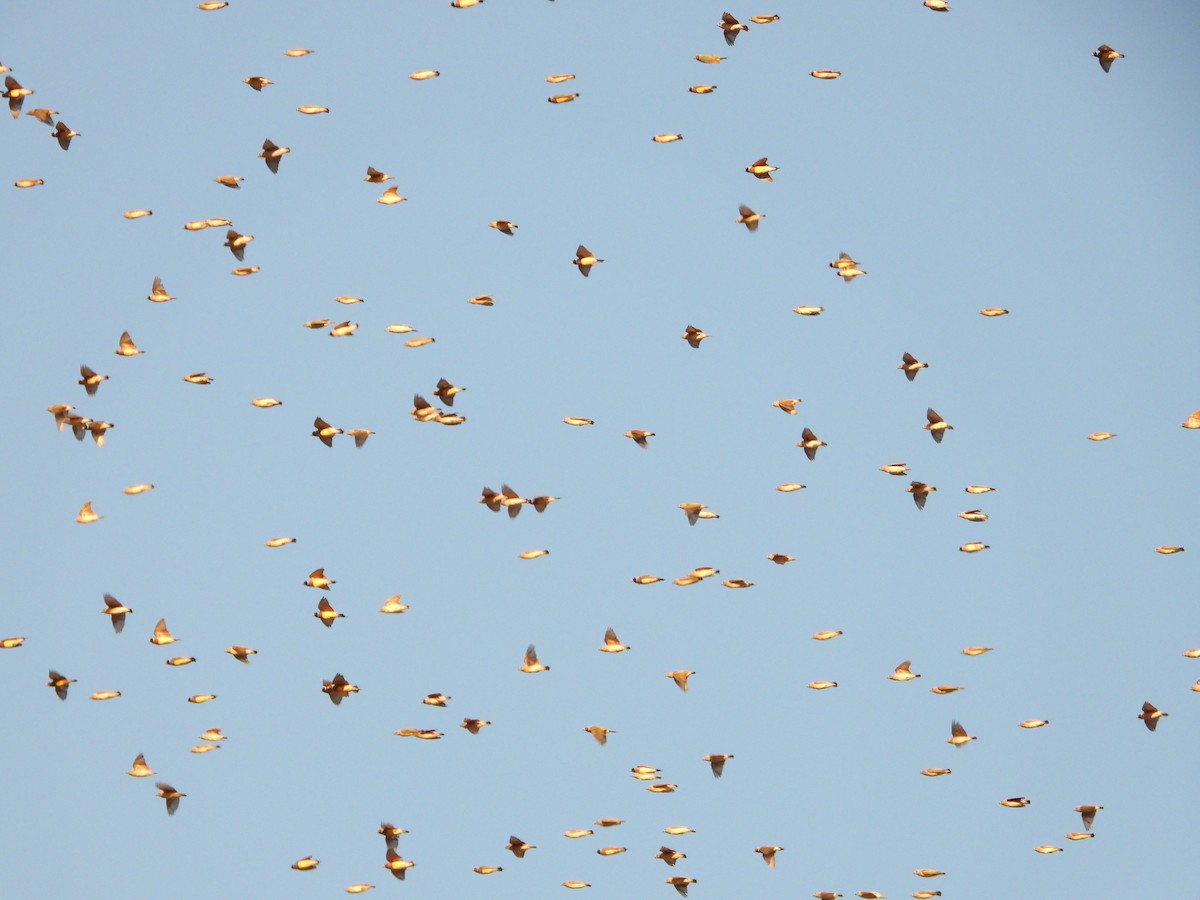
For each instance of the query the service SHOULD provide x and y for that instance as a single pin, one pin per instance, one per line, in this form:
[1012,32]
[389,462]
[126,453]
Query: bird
[943,689]
[1167,550]
[201,698]
[390,196]
[639,437]
[316,579]
[731,27]
[533,554]
[826,635]
[240,653]
[1078,835]
[678,830]
[738,583]
[808,310]
[973,547]
[1034,723]
[60,683]
[559,79]
[920,492]
[934,773]
[787,405]
[666,138]
[662,788]
[973,515]
[576,833]
[279,542]
[424,74]
[680,677]
[359,888]
[161,635]
[702,88]
[822,685]
[265,402]
[645,773]
[312,110]
[374,176]
[257,82]
[611,644]
[43,115]
[1150,715]
[298,51]
[680,883]
[197,378]
[306,864]
[436,700]
[271,154]
[578,421]
[181,660]
[324,431]
[229,181]
[28,182]
[1100,436]
[717,762]
[910,365]
[326,613]
[237,243]
[599,732]
[540,503]
[937,5]
[62,133]
[584,260]
[869,895]
[764,20]
[169,794]
[487,870]
[338,688]
[158,293]
[1104,53]
[562,98]
[1015,802]
[958,735]
[780,559]
[1046,848]
[810,443]
[749,218]
[530,664]
[136,213]
[903,672]
[610,851]
[503,226]
[212,734]
[116,611]
[692,511]
[669,856]
[575,885]
[360,435]
[993,311]
[1192,422]
[90,380]
[16,95]
[646,579]
[139,769]
[393,605]
[474,725]
[978,489]
[761,169]
[936,426]
[396,864]
[709,59]
[1088,812]
[391,834]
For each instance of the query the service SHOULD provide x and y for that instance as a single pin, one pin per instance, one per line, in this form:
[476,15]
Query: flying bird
[116,611]
[903,672]
[63,134]
[584,260]
[1104,53]
[599,732]
[958,735]
[324,431]
[169,794]
[749,218]
[717,762]
[1089,815]
[161,635]
[680,677]
[910,365]
[530,664]
[936,426]
[338,688]
[139,769]
[669,856]
[811,443]
[60,683]
[611,644]
[920,492]
[1150,715]
[317,579]
[694,336]
[271,154]
[240,653]
[16,95]
[680,883]
[731,28]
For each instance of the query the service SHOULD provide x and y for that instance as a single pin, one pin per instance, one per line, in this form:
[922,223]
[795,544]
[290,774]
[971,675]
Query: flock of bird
[67,417]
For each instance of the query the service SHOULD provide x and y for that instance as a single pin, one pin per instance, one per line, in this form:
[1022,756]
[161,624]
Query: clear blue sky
[966,160]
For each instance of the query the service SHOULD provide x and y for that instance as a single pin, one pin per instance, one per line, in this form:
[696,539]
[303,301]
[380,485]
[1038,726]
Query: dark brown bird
[63,134]
[1150,715]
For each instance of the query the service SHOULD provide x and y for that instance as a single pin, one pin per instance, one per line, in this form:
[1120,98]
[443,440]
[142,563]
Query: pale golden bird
[360,435]
[161,635]
[1167,550]
[869,895]
[936,426]
[978,489]
[680,883]
[943,689]
[709,59]
[306,864]
[1150,714]
[810,443]
[645,773]
[787,405]
[717,762]
[1192,421]
[666,138]
[211,5]
[662,788]
[418,342]
[533,554]
[993,311]
[197,378]
[530,664]
[136,213]
[240,653]
[126,347]
[577,421]
[86,516]
[575,833]
[825,75]
[937,5]
[925,895]
[279,542]
[973,547]
[28,182]
[314,324]
[1078,835]
[345,329]
[436,699]
[973,515]
[229,181]
[1100,436]
[1106,55]
[201,698]
[678,830]
[611,644]
[486,870]
[324,432]
[702,88]
[599,732]
[1015,802]
[826,635]
[338,688]
[181,660]
[90,380]
[424,74]
[168,793]
[610,851]
[646,579]
[139,769]
[114,609]
[391,834]
[212,734]
[396,864]
[934,773]
[16,95]
[821,685]
[559,79]
[237,243]
[764,20]
[903,672]
[575,885]
[640,437]
[1034,723]
[680,677]
[158,293]
[312,110]
[894,469]
[761,169]
[584,260]
[1043,848]
[693,511]
[317,579]
[958,735]
[390,197]
[393,605]
[503,226]
[359,888]
[42,115]
[204,748]
[928,873]
[297,52]
[271,154]
[737,583]
[609,822]
[561,98]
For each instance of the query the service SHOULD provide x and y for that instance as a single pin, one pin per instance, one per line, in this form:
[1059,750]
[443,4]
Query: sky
[977,158]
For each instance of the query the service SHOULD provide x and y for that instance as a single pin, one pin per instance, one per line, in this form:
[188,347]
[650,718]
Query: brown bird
[116,611]
[731,27]
[958,735]
[16,95]
[396,864]
[680,677]
[503,226]
[787,405]
[90,380]
[271,154]
[584,260]
[1089,815]
[717,762]
[258,82]
[158,293]
[749,218]
[518,847]
[60,683]
[639,437]
[391,834]
[474,725]
[169,794]
[680,883]
[63,134]
[237,243]
[324,431]
[936,426]
[811,443]
[761,170]
[781,559]
[446,391]
[326,613]
[1150,715]
[600,733]
[911,366]
[920,492]
[43,115]
[1104,53]
[669,856]
[317,579]
[338,688]
[240,653]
